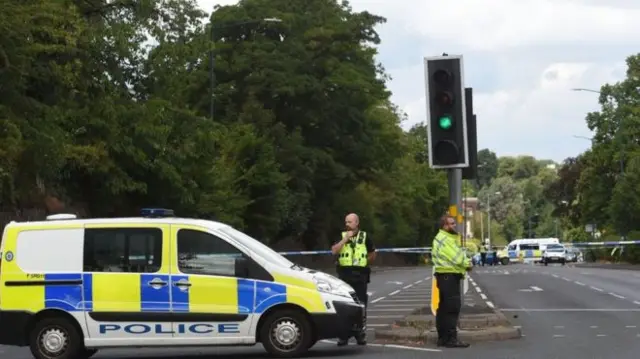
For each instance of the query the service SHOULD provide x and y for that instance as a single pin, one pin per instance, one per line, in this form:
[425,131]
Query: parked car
[555,253]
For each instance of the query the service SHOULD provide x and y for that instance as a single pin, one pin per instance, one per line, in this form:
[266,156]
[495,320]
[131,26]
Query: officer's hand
[349,235]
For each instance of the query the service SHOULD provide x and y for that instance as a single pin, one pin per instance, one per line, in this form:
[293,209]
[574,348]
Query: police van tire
[504,261]
[56,337]
[286,334]
[88,353]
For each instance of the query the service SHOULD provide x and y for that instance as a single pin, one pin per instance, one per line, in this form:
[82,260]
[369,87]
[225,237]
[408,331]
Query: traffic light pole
[455,201]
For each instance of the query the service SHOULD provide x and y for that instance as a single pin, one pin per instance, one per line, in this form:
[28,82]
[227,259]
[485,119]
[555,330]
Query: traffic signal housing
[471,172]
[446,112]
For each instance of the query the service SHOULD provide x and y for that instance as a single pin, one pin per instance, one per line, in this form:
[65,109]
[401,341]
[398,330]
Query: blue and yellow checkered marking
[131,292]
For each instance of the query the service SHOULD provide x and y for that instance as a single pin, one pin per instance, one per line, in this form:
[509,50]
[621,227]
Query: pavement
[563,312]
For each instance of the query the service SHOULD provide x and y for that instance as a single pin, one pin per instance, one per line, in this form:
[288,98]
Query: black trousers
[360,287]
[449,306]
[483,258]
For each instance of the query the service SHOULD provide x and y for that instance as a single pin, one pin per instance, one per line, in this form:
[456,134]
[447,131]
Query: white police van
[69,287]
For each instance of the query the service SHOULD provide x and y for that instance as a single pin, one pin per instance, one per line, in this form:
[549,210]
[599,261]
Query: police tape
[428,249]
[603,244]
[388,250]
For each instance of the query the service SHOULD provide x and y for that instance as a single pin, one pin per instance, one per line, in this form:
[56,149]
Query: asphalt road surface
[564,312]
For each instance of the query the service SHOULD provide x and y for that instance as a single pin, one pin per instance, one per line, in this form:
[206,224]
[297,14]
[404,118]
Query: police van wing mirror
[242,267]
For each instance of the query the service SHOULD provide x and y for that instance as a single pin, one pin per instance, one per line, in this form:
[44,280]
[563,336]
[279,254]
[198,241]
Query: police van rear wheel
[286,334]
[56,338]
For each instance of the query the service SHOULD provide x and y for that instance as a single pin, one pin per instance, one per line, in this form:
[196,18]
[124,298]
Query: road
[393,294]
[564,312]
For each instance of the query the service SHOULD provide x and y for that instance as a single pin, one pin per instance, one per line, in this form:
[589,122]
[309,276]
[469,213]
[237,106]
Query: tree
[99,122]
[487,167]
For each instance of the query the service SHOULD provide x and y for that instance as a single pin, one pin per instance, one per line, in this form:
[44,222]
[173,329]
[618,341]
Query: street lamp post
[489,217]
[212,74]
[591,139]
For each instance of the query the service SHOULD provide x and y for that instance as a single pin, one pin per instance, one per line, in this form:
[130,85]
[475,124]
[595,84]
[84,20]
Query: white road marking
[394,293]
[616,295]
[558,335]
[478,289]
[418,282]
[413,296]
[384,316]
[490,304]
[407,286]
[410,348]
[567,279]
[579,283]
[484,297]
[593,326]
[595,288]
[567,310]
[636,302]
[630,326]
[555,275]
[537,289]
[370,293]
[377,300]
[601,335]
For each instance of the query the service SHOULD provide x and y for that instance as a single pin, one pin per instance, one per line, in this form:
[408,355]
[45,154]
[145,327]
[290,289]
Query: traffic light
[446,112]
[471,172]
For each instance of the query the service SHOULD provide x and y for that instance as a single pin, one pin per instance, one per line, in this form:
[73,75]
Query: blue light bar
[157,212]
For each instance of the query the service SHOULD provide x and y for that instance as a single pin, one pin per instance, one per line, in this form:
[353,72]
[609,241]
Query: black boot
[361,338]
[455,343]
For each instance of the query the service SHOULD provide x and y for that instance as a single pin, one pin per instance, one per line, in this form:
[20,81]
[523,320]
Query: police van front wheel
[286,334]
[57,338]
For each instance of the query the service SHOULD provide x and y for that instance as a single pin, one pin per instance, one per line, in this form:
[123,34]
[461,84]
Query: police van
[70,286]
[525,250]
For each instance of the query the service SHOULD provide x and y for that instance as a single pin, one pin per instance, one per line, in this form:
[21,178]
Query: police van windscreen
[258,247]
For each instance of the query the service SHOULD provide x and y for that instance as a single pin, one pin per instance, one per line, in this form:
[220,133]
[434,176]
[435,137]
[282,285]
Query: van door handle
[182,284]
[156,282]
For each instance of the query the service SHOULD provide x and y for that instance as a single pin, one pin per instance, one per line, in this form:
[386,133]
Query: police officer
[355,252]
[450,263]
[483,254]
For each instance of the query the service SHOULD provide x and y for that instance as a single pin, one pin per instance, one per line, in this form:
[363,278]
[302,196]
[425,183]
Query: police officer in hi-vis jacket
[355,253]
[451,264]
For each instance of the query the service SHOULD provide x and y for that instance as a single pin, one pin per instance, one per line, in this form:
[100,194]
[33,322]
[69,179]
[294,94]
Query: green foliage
[104,106]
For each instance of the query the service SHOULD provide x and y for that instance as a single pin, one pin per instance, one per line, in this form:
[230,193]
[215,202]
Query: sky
[522,58]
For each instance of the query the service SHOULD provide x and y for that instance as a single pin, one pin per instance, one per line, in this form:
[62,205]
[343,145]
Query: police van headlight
[336,287]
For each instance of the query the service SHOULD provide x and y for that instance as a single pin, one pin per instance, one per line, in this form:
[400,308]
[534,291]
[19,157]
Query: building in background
[469,207]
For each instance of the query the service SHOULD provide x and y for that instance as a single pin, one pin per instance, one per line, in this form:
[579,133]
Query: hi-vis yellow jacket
[447,255]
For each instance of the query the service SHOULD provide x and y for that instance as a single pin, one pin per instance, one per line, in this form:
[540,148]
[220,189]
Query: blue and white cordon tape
[392,250]
[428,249]
[604,244]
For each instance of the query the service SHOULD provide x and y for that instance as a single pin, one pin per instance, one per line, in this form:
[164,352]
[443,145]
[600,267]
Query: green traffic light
[445,122]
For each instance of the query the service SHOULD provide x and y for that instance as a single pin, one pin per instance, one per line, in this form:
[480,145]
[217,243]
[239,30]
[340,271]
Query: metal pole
[212,74]
[455,200]
[489,220]
[481,226]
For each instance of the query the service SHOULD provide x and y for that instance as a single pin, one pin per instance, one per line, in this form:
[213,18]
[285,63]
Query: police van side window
[203,253]
[125,250]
